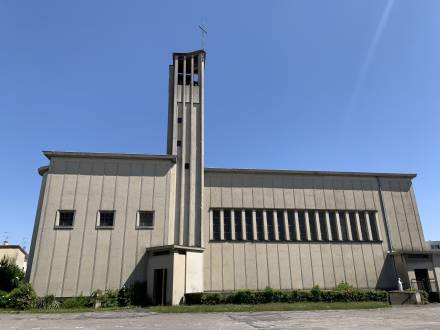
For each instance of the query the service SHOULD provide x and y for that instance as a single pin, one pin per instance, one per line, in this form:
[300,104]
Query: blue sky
[311,85]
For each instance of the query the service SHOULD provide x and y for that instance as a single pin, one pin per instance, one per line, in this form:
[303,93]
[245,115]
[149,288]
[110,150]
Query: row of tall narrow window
[293,225]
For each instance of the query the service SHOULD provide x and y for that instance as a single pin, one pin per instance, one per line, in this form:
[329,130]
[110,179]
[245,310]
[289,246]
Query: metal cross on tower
[204,31]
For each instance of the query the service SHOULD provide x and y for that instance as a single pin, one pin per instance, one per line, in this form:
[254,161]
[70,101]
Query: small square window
[65,219]
[179,120]
[186,166]
[145,219]
[106,219]
[179,143]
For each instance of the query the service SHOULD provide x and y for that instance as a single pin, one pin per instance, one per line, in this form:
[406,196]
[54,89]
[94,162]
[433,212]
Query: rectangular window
[249,225]
[323,225]
[354,229]
[364,229]
[65,219]
[260,225]
[216,225]
[374,230]
[238,226]
[281,228]
[106,219]
[312,225]
[227,225]
[145,219]
[302,225]
[333,225]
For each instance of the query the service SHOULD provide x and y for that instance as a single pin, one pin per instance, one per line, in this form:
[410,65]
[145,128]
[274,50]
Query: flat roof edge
[175,248]
[324,173]
[71,154]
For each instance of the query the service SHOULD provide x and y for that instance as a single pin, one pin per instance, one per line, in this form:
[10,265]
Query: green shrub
[3,299]
[124,296]
[10,275]
[315,294]
[212,299]
[47,302]
[193,298]
[109,298]
[344,286]
[77,302]
[22,297]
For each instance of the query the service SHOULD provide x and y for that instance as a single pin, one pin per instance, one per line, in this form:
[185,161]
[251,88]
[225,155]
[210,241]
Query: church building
[105,220]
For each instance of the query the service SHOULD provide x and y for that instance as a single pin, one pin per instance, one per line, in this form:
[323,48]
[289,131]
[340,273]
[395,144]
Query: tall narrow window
[238,226]
[302,225]
[323,225]
[374,230]
[260,225]
[291,224]
[270,225]
[249,225]
[227,225]
[364,228]
[354,229]
[343,222]
[333,225]
[281,229]
[216,224]
[312,225]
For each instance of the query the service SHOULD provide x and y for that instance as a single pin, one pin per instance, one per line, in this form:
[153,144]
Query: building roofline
[202,51]
[13,247]
[326,173]
[69,154]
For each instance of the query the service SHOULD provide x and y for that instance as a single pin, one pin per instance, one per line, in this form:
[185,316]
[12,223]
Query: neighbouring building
[435,245]
[15,253]
[105,220]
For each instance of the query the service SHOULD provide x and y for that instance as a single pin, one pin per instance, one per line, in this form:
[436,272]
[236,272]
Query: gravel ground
[413,317]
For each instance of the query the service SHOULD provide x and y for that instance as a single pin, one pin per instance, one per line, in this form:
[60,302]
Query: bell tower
[185,140]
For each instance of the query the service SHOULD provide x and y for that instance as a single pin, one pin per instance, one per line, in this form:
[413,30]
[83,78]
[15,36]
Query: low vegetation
[342,293]
[16,295]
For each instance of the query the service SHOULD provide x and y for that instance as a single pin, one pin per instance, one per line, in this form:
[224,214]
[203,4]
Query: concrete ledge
[405,298]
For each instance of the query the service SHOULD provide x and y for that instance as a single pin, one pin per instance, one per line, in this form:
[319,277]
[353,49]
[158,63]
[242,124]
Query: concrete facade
[217,229]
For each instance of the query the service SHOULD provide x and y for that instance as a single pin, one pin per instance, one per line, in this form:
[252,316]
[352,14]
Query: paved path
[414,317]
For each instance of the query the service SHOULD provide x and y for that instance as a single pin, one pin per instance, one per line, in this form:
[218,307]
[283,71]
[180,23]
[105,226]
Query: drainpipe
[387,227]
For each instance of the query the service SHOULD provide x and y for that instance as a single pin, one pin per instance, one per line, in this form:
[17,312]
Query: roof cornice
[324,173]
[65,154]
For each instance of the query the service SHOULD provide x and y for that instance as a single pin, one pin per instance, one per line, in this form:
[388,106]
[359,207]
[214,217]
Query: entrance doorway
[160,286]
[422,279]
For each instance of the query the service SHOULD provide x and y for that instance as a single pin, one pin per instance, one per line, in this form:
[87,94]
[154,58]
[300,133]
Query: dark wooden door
[160,286]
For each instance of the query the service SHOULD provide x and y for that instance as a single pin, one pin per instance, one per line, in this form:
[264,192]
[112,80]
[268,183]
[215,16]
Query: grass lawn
[304,306]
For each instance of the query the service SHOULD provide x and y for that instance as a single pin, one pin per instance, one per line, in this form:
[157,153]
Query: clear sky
[310,85]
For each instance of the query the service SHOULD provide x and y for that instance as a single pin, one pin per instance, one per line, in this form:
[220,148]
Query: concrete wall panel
[262,269]
[273,266]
